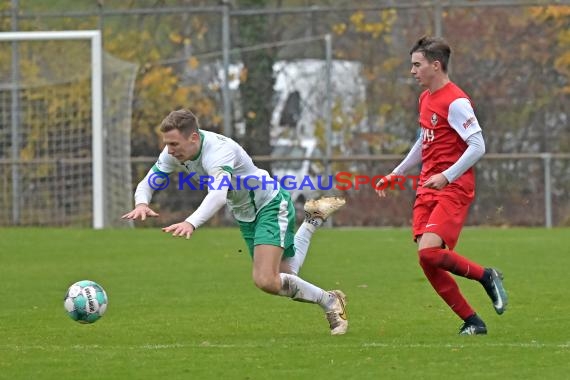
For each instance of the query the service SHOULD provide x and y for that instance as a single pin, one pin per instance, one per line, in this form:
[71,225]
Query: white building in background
[300,95]
[299,105]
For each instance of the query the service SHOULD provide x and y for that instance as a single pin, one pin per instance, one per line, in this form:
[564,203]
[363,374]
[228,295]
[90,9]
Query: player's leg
[431,252]
[316,213]
[444,284]
[446,287]
[273,241]
[443,228]
[267,277]
[490,278]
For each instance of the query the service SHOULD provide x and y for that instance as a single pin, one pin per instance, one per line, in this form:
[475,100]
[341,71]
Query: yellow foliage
[357,18]
[217,119]
[195,89]
[339,29]
[552,11]
[385,108]
[564,37]
[181,93]
[391,63]
[193,62]
[559,15]
[562,63]
[199,27]
[375,29]
[204,106]
[175,37]
[157,75]
[389,16]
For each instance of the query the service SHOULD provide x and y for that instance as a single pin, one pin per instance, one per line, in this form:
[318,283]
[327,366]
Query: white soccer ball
[85,301]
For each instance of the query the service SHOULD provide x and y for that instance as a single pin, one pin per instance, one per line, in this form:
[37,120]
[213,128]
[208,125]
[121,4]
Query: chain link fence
[356,113]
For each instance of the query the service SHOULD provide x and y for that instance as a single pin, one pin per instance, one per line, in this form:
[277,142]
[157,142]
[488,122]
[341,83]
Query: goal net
[65,112]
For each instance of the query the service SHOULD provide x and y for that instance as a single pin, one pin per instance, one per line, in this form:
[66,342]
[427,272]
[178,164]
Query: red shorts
[442,214]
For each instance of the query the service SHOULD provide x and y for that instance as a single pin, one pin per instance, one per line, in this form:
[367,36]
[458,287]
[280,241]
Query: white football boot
[338,320]
[322,208]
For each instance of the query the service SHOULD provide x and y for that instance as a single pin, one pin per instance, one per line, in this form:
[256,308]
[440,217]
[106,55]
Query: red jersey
[447,119]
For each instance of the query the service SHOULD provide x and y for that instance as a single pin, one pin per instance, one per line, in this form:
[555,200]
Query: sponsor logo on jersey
[428,135]
[469,122]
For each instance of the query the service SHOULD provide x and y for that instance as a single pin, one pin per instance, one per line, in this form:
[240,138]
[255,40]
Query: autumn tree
[257,79]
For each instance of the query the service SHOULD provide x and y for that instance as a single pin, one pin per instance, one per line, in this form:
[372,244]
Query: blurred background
[310,88]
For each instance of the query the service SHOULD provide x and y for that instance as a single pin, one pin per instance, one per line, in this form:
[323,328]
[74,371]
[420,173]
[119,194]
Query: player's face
[422,70]
[181,147]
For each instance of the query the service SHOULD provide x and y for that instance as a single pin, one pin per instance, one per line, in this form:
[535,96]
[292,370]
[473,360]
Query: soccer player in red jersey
[450,143]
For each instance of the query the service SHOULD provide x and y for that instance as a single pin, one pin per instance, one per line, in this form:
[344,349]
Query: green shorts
[273,225]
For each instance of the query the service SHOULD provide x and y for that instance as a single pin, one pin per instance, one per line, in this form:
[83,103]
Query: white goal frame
[98,148]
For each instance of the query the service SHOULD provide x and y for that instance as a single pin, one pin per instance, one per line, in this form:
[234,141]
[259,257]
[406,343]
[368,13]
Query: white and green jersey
[220,161]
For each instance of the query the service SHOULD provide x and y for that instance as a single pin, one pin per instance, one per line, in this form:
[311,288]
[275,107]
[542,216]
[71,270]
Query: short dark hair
[184,120]
[434,49]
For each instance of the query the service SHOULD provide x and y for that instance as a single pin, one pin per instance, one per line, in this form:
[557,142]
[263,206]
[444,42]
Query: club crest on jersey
[433,119]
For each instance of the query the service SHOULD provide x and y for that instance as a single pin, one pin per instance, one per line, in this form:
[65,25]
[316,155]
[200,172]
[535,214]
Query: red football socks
[452,262]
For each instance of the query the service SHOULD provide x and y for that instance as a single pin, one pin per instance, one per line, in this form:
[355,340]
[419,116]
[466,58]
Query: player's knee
[430,257]
[268,283]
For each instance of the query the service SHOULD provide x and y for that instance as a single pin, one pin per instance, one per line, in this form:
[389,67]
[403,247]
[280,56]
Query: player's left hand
[437,182]
[182,229]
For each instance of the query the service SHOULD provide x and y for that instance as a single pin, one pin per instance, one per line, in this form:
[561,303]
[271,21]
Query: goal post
[94,36]
[58,83]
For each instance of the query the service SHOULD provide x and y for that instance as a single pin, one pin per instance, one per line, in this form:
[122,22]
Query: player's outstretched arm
[142,210]
[413,158]
[211,204]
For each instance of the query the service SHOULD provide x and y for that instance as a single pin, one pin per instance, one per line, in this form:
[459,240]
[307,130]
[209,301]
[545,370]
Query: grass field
[188,310]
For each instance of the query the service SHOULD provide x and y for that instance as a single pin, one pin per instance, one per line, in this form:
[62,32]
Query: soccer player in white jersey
[263,210]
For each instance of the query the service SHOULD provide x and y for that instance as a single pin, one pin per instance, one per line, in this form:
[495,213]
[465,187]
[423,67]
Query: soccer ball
[85,301]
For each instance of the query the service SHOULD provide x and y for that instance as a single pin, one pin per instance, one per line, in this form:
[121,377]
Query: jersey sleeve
[462,118]
[475,150]
[219,164]
[214,200]
[413,158]
[165,165]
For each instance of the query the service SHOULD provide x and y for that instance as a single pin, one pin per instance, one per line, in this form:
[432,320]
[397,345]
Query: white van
[300,96]
[299,106]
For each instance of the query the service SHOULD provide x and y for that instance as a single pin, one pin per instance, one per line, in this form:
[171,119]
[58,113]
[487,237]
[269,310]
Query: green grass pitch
[182,309]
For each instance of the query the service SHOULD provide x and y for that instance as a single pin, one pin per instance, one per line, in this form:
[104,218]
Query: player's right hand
[140,211]
[383,184]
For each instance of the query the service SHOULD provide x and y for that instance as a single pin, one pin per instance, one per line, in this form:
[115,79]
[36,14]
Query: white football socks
[302,243]
[302,291]
[315,222]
